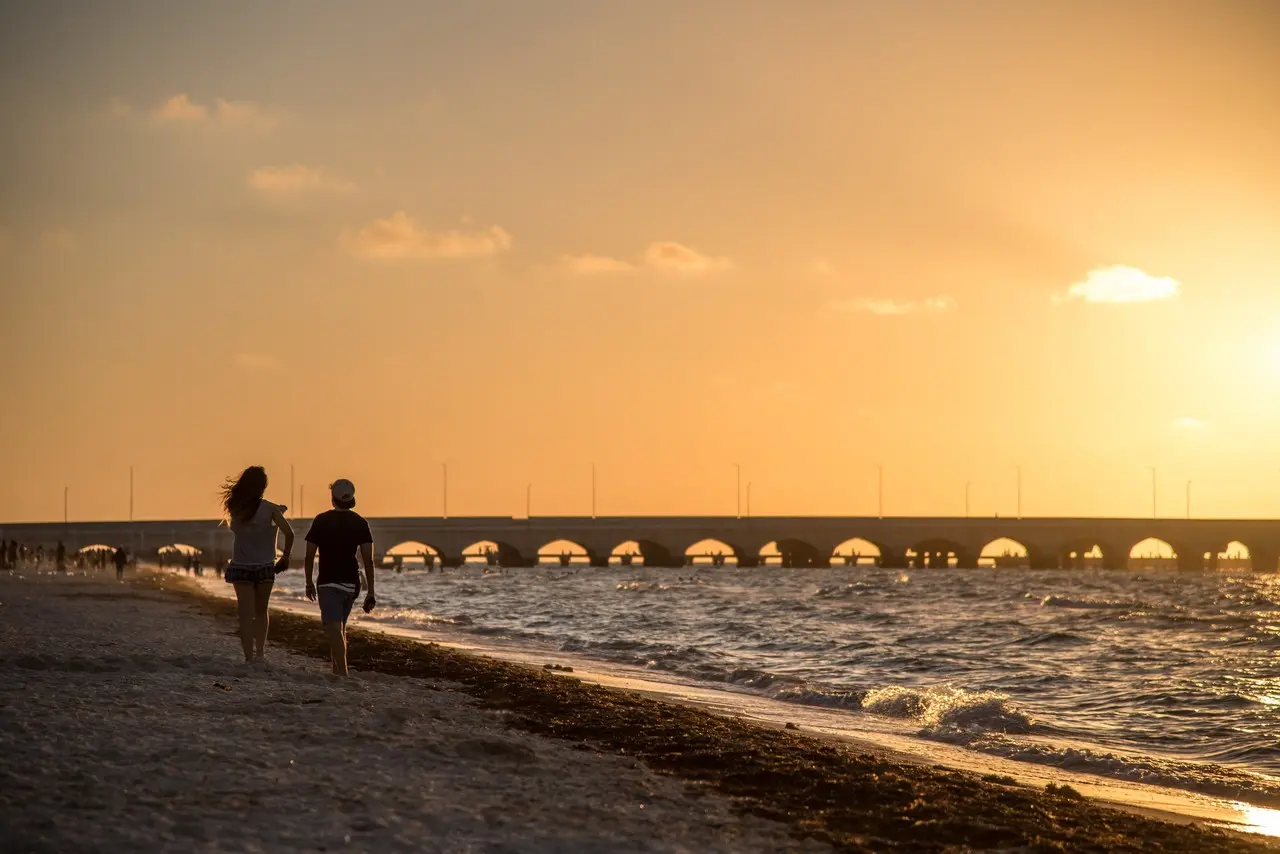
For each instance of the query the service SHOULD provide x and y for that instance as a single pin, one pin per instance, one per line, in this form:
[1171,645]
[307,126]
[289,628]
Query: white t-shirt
[256,538]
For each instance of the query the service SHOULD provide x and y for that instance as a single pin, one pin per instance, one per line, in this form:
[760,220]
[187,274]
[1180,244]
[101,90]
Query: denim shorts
[241,574]
[335,604]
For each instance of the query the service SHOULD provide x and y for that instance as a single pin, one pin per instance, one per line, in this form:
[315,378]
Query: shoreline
[892,738]
[849,796]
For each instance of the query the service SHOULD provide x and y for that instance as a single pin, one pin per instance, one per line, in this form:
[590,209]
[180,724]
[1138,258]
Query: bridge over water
[798,541]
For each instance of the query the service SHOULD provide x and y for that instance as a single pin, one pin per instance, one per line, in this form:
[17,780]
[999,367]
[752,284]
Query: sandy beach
[127,724]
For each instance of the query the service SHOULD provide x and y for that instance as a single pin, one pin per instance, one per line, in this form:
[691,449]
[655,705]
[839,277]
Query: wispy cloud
[399,236]
[181,109]
[1120,284]
[887,307]
[677,258]
[294,180]
[592,265]
[661,256]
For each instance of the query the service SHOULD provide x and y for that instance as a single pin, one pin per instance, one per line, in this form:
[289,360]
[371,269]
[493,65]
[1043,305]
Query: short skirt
[240,574]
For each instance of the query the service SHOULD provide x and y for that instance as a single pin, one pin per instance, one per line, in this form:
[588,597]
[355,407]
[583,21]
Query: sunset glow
[946,240]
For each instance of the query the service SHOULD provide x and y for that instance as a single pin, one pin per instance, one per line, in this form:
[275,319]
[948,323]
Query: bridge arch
[793,554]
[1237,554]
[857,552]
[940,553]
[494,553]
[412,553]
[564,553]
[1085,554]
[1005,553]
[651,554]
[712,552]
[1152,553]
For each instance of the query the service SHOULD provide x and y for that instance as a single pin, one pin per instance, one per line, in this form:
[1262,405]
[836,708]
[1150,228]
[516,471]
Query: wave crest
[944,707]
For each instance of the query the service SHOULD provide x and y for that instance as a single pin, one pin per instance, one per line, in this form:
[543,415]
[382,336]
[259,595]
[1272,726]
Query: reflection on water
[1259,820]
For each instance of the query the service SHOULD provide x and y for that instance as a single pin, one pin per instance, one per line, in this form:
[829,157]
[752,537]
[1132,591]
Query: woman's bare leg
[261,599]
[244,607]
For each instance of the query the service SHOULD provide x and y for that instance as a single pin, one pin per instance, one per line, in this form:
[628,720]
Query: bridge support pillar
[1043,560]
[599,560]
[893,559]
[1191,559]
[1115,559]
[967,560]
[748,561]
[1262,560]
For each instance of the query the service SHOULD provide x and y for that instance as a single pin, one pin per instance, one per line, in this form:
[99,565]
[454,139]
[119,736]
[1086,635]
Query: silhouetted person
[255,522]
[121,558]
[195,564]
[61,557]
[337,535]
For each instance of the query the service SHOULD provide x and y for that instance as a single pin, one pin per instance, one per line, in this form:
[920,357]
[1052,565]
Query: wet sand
[769,788]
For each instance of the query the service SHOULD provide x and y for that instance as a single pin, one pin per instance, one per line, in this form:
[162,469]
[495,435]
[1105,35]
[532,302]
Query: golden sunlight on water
[1259,819]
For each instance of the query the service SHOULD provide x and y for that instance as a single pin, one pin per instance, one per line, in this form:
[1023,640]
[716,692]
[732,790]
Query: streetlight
[593,490]
[444,491]
[1019,470]
[130,493]
[738,466]
[967,484]
[748,499]
[295,515]
[1153,491]
[64,505]
[880,488]
[528,501]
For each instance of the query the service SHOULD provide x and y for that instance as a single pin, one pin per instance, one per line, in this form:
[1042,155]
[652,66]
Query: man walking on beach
[337,534]
[121,558]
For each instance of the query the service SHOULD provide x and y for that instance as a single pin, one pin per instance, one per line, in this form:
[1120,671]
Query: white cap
[343,491]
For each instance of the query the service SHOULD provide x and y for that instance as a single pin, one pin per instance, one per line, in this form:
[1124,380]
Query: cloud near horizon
[664,256]
[1120,284]
[399,236]
[180,109]
[887,307]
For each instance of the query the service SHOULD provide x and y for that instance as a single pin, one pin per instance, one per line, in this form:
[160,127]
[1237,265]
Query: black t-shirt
[338,534]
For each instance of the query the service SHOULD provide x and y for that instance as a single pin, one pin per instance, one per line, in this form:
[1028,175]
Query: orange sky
[663,237]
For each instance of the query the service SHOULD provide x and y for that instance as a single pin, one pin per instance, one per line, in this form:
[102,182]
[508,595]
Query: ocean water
[1157,676]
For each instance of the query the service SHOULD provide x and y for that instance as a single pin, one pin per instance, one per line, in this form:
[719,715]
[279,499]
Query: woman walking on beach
[255,523]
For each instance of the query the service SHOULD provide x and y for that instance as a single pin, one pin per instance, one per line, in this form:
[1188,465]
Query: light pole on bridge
[593,490]
[65,490]
[1153,491]
[528,501]
[444,490]
[880,490]
[1019,470]
[295,513]
[738,466]
[967,484]
[748,499]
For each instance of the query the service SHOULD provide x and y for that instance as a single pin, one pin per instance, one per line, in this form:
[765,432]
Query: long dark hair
[241,497]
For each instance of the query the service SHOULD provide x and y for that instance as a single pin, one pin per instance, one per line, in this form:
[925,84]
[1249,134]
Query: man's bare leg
[337,635]
[261,617]
[244,607]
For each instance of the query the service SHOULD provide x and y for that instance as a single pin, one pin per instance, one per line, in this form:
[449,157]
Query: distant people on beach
[61,557]
[121,558]
[256,523]
[337,535]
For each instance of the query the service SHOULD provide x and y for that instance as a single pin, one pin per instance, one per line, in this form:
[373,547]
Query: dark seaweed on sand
[855,801]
